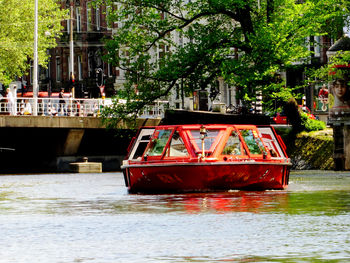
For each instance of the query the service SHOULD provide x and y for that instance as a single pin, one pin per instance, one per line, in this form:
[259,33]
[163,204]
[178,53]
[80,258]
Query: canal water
[91,218]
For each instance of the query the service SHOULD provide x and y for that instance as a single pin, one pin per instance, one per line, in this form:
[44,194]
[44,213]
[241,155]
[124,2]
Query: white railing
[156,110]
[71,107]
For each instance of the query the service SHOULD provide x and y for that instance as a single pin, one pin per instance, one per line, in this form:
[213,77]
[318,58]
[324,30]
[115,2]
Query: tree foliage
[17,34]
[337,68]
[311,124]
[238,40]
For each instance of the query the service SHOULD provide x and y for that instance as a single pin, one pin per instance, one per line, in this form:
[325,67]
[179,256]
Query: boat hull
[201,177]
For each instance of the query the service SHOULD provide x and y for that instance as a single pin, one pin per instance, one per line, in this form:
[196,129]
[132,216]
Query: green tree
[239,40]
[17,34]
[337,68]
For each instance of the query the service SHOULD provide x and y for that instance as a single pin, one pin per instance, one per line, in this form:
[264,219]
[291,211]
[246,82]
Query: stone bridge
[49,144]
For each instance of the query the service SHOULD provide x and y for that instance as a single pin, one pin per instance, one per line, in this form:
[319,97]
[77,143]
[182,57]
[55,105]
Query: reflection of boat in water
[218,202]
[188,158]
[239,201]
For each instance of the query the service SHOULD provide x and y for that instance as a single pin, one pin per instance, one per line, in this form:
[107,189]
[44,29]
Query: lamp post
[35,66]
[71,44]
[203,134]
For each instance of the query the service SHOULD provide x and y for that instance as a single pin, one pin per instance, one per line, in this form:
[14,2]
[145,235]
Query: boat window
[141,143]
[158,142]
[233,145]
[177,147]
[271,142]
[208,141]
[145,138]
[253,141]
[140,149]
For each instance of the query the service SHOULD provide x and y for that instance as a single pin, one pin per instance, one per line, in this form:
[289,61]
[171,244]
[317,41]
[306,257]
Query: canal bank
[311,150]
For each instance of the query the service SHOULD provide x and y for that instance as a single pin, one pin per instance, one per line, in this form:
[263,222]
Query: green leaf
[17,34]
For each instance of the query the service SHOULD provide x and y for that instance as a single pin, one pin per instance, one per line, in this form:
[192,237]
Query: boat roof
[196,126]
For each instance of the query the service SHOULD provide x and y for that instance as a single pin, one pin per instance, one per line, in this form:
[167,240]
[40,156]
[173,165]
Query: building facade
[90,27]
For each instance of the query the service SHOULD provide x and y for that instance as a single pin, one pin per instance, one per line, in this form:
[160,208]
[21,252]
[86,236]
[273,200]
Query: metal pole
[71,44]
[35,66]
[182,95]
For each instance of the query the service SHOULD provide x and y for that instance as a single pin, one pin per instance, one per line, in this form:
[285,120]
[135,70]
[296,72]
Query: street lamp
[35,66]
[71,44]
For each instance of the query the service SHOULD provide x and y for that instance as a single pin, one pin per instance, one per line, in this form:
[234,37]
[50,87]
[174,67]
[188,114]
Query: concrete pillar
[338,153]
[346,132]
[73,141]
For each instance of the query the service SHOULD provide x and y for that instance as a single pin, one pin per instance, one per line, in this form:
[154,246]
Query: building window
[181,40]
[42,73]
[88,17]
[177,89]
[31,72]
[317,46]
[109,69]
[58,69]
[68,26]
[80,68]
[69,66]
[90,57]
[78,19]
[97,20]
[108,22]
[48,70]
[346,29]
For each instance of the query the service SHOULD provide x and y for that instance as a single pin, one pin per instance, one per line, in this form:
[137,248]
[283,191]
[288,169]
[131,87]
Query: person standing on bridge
[11,101]
[27,108]
[62,102]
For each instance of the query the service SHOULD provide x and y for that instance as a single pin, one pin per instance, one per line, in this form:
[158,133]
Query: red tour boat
[198,158]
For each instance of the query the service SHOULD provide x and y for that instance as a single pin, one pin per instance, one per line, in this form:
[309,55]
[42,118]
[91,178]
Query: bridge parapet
[59,107]
[70,113]
[68,122]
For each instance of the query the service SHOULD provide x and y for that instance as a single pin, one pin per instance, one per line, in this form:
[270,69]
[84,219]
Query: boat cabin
[208,143]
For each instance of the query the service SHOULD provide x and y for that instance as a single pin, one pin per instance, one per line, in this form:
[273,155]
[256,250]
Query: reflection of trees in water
[319,202]
[287,202]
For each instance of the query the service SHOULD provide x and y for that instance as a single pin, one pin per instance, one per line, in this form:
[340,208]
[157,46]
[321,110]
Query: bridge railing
[156,110]
[70,107]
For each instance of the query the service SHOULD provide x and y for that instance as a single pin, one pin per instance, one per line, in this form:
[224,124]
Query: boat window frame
[196,149]
[244,152]
[272,141]
[184,141]
[252,155]
[144,131]
[146,157]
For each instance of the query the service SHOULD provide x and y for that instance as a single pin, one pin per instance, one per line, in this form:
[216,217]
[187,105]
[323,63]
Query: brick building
[89,28]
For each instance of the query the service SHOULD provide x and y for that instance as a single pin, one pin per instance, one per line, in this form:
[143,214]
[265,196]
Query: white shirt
[28,108]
